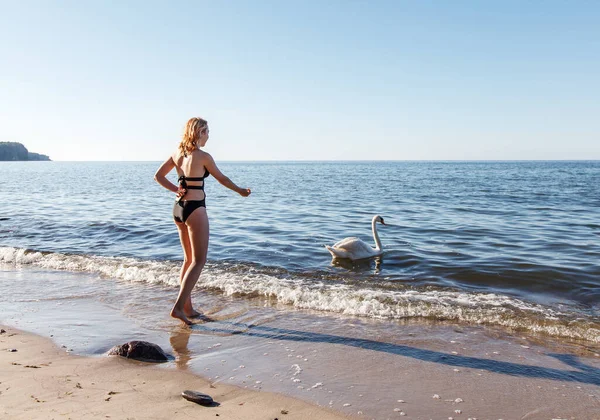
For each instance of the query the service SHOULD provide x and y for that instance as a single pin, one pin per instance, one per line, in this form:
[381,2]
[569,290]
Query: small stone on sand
[197,397]
[436,397]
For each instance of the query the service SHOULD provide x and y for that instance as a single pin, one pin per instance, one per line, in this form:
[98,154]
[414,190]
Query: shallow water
[510,244]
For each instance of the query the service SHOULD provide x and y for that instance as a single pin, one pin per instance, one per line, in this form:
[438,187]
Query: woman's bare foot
[181,316]
[192,314]
[188,309]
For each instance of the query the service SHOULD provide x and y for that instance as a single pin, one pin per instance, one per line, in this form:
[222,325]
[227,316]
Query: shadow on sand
[583,373]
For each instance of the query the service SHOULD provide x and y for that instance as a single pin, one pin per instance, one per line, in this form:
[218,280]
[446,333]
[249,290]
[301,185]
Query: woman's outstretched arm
[161,175]
[210,164]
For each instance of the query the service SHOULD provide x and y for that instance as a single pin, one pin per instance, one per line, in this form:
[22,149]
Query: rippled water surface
[515,244]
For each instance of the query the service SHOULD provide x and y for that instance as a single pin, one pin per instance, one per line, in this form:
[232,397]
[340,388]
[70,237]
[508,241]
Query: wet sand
[41,381]
[415,370]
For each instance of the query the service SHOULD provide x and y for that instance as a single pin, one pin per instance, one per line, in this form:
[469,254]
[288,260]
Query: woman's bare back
[191,166]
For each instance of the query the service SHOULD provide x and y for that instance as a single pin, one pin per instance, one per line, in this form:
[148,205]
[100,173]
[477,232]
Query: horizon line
[334,160]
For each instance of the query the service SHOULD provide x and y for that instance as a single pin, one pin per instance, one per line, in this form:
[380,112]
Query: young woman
[193,166]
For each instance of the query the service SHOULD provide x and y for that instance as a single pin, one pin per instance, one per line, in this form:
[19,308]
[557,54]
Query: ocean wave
[316,294]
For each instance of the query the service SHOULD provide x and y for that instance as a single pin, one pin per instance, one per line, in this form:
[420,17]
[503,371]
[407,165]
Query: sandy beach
[42,381]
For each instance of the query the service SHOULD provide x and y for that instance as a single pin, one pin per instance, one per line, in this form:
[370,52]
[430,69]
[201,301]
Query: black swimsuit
[183,209]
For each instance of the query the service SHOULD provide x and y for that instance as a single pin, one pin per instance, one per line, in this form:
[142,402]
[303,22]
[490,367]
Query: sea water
[506,244]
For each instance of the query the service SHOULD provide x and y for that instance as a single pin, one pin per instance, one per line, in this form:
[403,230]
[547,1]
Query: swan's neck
[378,245]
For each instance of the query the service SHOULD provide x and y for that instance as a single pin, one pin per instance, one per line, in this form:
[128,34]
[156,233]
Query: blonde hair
[192,131]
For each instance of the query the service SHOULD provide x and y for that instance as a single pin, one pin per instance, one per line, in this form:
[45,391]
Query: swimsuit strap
[187,178]
[182,180]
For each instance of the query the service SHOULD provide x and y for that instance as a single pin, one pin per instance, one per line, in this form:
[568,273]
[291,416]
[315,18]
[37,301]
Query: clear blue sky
[295,80]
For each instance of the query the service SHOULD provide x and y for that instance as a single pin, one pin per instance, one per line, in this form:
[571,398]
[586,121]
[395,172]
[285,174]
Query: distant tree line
[10,150]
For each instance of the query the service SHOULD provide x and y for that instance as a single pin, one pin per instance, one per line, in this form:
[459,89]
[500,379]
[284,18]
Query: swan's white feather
[337,253]
[340,244]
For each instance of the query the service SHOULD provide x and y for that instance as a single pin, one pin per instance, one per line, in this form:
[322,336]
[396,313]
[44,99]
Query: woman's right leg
[184,237]
[198,231]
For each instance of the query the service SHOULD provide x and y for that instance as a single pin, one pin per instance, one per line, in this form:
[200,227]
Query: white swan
[356,249]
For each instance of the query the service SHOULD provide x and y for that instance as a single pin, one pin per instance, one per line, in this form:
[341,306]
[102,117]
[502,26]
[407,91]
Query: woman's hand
[181,192]
[244,192]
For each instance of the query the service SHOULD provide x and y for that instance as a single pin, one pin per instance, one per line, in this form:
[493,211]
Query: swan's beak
[382,222]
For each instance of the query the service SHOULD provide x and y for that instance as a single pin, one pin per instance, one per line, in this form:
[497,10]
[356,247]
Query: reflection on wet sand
[179,341]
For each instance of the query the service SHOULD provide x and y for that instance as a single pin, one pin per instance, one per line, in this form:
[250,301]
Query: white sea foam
[122,268]
[472,308]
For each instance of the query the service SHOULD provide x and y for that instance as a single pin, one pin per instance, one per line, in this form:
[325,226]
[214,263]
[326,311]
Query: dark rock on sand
[197,397]
[140,350]
[2,331]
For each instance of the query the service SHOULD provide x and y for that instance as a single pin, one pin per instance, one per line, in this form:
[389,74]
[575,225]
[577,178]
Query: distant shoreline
[17,152]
